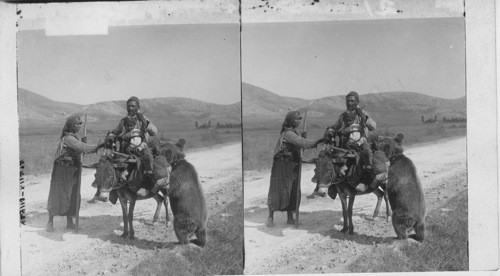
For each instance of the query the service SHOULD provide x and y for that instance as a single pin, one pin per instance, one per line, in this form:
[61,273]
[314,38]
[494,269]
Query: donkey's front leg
[349,212]
[131,218]
[343,201]
[123,202]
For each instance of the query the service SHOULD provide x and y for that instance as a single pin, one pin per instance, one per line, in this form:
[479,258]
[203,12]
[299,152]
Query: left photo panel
[130,138]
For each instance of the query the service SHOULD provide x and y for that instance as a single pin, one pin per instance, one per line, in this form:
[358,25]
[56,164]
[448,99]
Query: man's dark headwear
[288,123]
[133,98]
[353,93]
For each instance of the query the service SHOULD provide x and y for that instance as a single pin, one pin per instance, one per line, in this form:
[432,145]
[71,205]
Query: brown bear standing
[186,198]
[404,191]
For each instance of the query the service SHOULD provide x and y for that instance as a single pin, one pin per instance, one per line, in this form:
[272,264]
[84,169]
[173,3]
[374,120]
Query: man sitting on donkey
[355,121]
[147,130]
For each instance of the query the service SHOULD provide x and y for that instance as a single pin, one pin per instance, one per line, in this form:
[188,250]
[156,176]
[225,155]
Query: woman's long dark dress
[63,193]
[282,194]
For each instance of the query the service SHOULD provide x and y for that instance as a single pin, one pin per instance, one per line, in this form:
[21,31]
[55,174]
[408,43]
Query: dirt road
[98,248]
[318,246]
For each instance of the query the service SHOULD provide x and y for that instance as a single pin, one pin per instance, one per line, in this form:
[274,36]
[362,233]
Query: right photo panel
[354,138]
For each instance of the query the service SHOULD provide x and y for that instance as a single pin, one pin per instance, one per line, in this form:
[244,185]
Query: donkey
[186,195]
[404,190]
[108,180]
[329,180]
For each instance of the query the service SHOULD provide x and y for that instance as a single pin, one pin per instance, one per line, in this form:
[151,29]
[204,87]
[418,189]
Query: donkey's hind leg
[379,195]
[159,200]
[388,210]
[165,203]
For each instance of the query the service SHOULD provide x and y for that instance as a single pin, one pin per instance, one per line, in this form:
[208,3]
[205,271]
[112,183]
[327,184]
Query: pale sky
[307,60]
[192,60]
[319,59]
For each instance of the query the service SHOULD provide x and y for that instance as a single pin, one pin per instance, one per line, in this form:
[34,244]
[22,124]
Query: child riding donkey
[133,143]
[374,163]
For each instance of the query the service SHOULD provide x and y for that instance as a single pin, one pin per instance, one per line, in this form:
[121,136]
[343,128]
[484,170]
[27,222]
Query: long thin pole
[299,176]
[79,184]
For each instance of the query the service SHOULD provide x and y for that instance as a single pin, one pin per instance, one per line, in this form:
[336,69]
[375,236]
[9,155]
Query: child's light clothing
[134,144]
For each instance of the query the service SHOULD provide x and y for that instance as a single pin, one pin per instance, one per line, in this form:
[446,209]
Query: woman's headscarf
[69,126]
[68,129]
[288,123]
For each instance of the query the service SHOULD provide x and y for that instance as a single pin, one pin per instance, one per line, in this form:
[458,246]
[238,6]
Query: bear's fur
[404,190]
[186,196]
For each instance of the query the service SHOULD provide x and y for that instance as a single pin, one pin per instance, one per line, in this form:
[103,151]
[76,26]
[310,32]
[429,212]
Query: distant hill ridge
[36,109]
[391,107]
[258,105]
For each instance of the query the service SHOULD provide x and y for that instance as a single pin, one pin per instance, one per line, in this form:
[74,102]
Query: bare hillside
[393,108]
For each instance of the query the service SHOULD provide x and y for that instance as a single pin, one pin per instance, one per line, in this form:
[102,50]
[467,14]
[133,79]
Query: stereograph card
[221,76]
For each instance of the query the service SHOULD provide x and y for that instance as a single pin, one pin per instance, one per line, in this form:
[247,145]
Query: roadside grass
[201,138]
[38,150]
[423,133]
[223,254]
[444,249]
[258,144]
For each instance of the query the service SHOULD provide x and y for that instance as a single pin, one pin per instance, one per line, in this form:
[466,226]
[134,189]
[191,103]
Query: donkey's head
[106,175]
[325,171]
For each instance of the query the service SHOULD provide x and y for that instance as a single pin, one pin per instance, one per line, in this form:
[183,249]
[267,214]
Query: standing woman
[284,173]
[63,192]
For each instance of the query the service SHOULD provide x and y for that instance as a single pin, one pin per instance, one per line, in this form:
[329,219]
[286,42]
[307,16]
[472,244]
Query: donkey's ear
[399,138]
